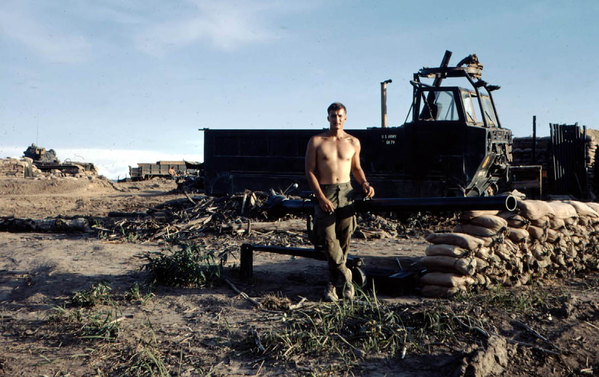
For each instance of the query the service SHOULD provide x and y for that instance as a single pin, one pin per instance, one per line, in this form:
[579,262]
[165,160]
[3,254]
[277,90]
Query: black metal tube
[406,204]
[296,251]
[438,204]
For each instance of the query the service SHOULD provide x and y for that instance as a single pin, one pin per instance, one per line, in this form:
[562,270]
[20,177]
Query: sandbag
[492,259]
[537,233]
[543,263]
[518,235]
[513,219]
[556,223]
[446,279]
[480,279]
[558,260]
[585,220]
[505,251]
[582,209]
[483,253]
[580,230]
[469,215]
[439,291]
[543,222]
[447,250]
[571,221]
[594,206]
[553,235]
[491,222]
[517,266]
[475,230]
[561,245]
[534,209]
[465,266]
[462,240]
[562,210]
[539,252]
[481,264]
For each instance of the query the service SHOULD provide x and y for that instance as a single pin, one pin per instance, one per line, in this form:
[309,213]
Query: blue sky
[115,81]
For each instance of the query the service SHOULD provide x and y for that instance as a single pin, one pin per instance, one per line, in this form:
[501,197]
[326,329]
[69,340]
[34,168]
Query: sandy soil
[205,331]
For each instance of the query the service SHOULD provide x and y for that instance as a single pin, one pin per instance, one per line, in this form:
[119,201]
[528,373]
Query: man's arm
[311,161]
[358,173]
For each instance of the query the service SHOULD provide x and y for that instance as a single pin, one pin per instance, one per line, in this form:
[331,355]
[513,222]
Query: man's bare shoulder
[352,139]
[318,138]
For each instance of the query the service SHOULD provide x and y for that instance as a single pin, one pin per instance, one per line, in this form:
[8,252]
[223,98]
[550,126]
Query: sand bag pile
[11,167]
[488,248]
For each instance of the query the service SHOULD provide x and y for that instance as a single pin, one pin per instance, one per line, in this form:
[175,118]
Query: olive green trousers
[334,230]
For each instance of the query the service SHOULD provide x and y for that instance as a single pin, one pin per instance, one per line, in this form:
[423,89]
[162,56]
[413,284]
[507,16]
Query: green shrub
[186,267]
[98,293]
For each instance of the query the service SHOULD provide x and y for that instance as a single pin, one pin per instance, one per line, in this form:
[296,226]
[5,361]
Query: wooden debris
[50,225]
[242,294]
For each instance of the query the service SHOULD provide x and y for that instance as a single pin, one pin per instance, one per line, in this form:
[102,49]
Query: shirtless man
[330,159]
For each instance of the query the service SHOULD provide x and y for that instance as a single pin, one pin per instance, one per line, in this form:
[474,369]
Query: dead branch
[469,327]
[538,335]
[512,341]
[242,294]
[254,333]
[189,197]
[298,305]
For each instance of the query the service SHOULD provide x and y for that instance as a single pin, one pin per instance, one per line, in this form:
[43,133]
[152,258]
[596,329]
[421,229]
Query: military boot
[330,293]
[348,287]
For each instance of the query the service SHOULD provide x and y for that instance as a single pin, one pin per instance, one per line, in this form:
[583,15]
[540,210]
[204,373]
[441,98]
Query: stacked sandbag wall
[522,151]
[489,248]
[12,167]
[591,161]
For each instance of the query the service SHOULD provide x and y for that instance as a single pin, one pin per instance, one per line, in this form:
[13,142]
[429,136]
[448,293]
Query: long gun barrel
[279,205]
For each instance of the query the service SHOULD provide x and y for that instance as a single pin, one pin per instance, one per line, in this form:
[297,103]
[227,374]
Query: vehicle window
[441,106]
[489,112]
[446,108]
[469,107]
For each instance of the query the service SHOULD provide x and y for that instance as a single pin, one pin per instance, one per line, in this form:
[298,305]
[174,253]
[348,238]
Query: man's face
[336,119]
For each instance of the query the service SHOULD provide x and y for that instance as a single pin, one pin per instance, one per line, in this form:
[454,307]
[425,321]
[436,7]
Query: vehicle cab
[454,133]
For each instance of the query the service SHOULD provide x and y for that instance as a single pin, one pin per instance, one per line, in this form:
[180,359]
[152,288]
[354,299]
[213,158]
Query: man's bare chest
[336,150]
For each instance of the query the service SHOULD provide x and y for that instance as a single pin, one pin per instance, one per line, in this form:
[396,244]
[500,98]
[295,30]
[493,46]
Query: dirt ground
[215,330]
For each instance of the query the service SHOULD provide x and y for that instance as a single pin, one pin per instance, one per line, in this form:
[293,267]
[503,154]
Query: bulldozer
[451,145]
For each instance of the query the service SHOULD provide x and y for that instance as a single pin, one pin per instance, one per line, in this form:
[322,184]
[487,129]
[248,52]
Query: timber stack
[491,248]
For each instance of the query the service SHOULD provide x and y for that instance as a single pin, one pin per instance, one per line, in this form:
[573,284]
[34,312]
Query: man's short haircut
[336,106]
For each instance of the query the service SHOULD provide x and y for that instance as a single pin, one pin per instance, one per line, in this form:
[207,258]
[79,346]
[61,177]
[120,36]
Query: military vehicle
[47,161]
[452,145]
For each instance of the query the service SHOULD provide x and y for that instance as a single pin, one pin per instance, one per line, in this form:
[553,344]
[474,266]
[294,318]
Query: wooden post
[247,261]
[384,102]
[534,139]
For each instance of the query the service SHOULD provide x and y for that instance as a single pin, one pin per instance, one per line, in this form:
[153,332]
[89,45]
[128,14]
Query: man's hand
[326,205]
[368,190]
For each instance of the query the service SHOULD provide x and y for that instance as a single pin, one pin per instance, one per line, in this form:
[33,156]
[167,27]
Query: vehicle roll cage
[469,68]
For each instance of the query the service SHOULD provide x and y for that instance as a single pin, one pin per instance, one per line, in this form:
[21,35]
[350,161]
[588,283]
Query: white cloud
[64,32]
[224,24]
[52,44]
